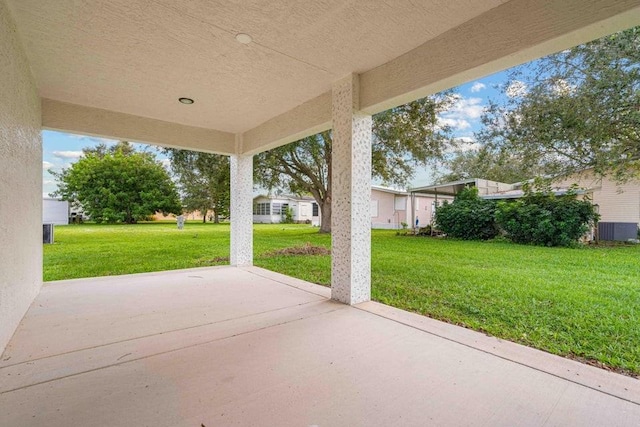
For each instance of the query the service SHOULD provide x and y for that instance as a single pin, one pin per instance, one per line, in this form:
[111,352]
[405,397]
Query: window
[315,209]
[279,208]
[262,209]
[374,208]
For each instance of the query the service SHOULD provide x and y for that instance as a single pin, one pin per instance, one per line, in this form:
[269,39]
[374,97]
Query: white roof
[516,194]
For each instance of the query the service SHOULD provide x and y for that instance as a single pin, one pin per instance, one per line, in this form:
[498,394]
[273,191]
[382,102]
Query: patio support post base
[351,195]
[241,207]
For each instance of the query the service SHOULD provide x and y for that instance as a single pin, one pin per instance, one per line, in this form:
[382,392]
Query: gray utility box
[47,233]
[620,231]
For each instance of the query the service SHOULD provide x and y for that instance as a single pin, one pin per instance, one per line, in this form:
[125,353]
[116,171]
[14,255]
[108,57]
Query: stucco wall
[20,182]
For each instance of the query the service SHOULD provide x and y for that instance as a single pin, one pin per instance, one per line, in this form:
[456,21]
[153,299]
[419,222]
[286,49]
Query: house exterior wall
[616,202]
[302,211]
[390,209]
[383,212]
[424,209]
[20,181]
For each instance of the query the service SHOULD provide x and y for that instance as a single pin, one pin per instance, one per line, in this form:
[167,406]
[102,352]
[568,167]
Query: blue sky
[60,150]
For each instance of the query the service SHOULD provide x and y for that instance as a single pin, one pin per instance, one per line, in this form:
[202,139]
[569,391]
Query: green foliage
[118,185]
[287,215]
[204,181]
[488,162]
[541,218]
[403,138]
[574,110]
[425,231]
[469,217]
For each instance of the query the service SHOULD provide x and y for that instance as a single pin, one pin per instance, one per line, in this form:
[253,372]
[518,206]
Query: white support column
[241,207]
[350,195]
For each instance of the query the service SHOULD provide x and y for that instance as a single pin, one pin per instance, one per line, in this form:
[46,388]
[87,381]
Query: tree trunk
[204,213]
[216,217]
[325,216]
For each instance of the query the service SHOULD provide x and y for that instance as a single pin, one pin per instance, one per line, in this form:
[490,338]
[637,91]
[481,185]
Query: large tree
[576,109]
[403,137]
[204,180]
[489,162]
[118,184]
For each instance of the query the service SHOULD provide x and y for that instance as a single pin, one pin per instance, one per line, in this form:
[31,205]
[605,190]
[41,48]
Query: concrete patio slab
[229,346]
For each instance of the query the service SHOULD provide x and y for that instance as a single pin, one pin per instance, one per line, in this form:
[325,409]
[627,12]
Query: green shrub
[469,217]
[287,216]
[424,231]
[541,218]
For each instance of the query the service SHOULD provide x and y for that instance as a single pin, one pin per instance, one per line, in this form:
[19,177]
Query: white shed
[55,211]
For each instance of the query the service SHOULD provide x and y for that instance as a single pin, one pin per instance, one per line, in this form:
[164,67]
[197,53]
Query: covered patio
[239,345]
[245,346]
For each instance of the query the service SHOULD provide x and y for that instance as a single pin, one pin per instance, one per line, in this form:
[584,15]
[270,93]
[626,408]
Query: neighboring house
[268,209]
[390,208]
[55,211]
[616,203]
[450,189]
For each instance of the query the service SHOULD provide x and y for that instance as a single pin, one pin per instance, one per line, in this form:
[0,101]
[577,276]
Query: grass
[581,303]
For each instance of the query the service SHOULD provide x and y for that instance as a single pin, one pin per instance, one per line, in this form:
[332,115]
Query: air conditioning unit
[619,231]
[47,233]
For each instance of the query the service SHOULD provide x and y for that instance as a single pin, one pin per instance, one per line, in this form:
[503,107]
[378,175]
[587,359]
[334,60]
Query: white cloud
[477,87]
[47,165]
[562,87]
[516,88]
[470,108]
[68,154]
[454,123]
[467,143]
[463,113]
[465,139]
[48,182]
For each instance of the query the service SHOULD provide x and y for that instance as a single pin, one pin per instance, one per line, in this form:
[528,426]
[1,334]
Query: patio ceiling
[117,68]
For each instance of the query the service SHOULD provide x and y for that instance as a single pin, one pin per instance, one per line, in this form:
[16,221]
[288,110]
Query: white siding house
[615,202]
[271,209]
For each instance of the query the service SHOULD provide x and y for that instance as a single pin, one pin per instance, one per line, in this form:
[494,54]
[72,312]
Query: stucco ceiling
[139,56]
[117,68]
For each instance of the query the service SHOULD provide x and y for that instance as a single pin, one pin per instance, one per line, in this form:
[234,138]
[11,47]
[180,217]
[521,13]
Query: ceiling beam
[73,118]
[305,120]
[511,34]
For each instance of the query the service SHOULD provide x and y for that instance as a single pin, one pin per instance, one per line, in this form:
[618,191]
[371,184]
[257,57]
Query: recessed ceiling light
[186,100]
[244,38]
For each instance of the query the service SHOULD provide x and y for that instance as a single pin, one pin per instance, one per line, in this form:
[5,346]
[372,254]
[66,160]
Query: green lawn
[581,303]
